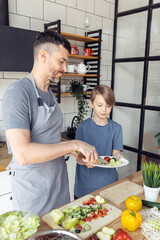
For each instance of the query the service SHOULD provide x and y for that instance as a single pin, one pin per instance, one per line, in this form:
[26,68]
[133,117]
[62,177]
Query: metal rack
[92,40]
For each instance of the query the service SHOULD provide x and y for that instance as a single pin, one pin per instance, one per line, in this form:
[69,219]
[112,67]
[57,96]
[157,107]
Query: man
[33,121]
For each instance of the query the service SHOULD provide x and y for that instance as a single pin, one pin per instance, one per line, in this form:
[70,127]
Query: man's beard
[55,80]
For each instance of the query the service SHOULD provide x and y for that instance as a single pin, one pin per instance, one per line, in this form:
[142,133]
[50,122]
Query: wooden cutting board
[95,225]
[118,193]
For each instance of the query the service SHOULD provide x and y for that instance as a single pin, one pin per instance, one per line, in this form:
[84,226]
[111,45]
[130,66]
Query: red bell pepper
[121,235]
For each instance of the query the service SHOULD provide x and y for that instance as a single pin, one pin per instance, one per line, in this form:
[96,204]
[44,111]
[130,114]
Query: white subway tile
[75,17]
[1,74]
[1,110]
[86,6]
[68,29]
[16,75]
[96,22]
[31,8]
[104,72]
[2,134]
[67,104]
[18,21]
[106,57]
[53,12]
[105,42]
[70,3]
[12,6]
[112,7]
[107,26]
[68,119]
[37,24]
[109,73]
[110,43]
[4,83]
[102,8]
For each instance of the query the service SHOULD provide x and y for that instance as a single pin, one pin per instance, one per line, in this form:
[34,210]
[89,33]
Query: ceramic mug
[64,88]
[74,50]
[85,87]
[70,68]
[87,52]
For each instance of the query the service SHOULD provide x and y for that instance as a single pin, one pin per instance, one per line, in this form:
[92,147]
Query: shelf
[69,94]
[82,56]
[80,75]
[79,38]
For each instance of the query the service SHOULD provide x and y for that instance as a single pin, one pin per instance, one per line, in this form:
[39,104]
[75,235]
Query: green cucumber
[86,227]
[151,204]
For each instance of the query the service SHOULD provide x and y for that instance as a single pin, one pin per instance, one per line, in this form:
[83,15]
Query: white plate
[123,163]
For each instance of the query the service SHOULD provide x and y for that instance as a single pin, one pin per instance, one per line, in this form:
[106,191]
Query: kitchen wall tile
[86,6]
[18,21]
[68,29]
[68,120]
[16,75]
[4,83]
[96,22]
[67,104]
[104,73]
[109,73]
[112,7]
[53,12]
[107,26]
[70,3]
[110,1]
[102,8]
[12,6]
[37,24]
[30,8]
[106,57]
[108,83]
[1,74]
[75,17]
[105,42]
[110,43]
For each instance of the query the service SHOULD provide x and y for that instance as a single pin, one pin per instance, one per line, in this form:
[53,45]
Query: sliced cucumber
[86,227]
[100,199]
[109,231]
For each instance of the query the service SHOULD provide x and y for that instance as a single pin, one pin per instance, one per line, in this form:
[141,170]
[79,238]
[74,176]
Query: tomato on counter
[121,235]
[133,203]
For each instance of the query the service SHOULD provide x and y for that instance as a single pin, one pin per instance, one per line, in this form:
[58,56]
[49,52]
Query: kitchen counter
[135,178]
[5,158]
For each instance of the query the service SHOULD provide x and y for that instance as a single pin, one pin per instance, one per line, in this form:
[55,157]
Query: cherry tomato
[107,159]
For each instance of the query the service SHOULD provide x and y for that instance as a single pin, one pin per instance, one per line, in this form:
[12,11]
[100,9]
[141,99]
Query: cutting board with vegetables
[95,224]
[118,193]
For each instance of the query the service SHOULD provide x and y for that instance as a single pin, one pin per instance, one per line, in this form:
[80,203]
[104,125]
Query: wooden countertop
[135,178]
[5,158]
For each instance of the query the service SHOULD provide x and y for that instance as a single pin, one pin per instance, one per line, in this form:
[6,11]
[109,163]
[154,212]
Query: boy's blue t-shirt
[106,139]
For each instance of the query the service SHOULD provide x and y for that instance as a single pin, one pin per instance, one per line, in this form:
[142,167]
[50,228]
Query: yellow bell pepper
[131,220]
[133,203]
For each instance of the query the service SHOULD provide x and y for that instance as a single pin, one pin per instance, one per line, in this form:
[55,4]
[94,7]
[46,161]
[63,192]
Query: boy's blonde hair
[106,92]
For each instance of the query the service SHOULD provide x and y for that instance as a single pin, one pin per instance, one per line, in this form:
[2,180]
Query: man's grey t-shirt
[20,104]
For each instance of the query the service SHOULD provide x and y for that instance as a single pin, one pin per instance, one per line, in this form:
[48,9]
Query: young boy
[105,135]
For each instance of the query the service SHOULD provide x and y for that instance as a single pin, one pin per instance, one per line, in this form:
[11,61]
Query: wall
[32,14]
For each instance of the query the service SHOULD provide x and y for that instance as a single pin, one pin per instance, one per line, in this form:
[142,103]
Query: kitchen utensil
[62,234]
[95,225]
[82,68]
[87,52]
[85,87]
[74,50]
[104,164]
[64,88]
[118,193]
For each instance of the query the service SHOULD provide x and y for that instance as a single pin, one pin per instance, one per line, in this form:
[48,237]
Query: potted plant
[151,179]
[77,90]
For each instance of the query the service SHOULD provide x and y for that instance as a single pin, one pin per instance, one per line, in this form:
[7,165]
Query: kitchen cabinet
[5,192]
[91,40]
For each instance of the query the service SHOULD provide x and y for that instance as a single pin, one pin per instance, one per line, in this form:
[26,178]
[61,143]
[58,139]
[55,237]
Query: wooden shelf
[69,94]
[79,38]
[80,75]
[82,56]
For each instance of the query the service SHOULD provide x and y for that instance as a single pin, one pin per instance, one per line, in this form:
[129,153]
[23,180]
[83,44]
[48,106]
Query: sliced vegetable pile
[18,225]
[74,218]
[111,161]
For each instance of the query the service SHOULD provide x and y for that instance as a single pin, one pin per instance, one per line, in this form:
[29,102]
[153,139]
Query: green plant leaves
[151,174]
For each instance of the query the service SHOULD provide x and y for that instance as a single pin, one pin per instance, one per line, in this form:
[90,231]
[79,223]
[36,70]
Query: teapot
[82,68]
